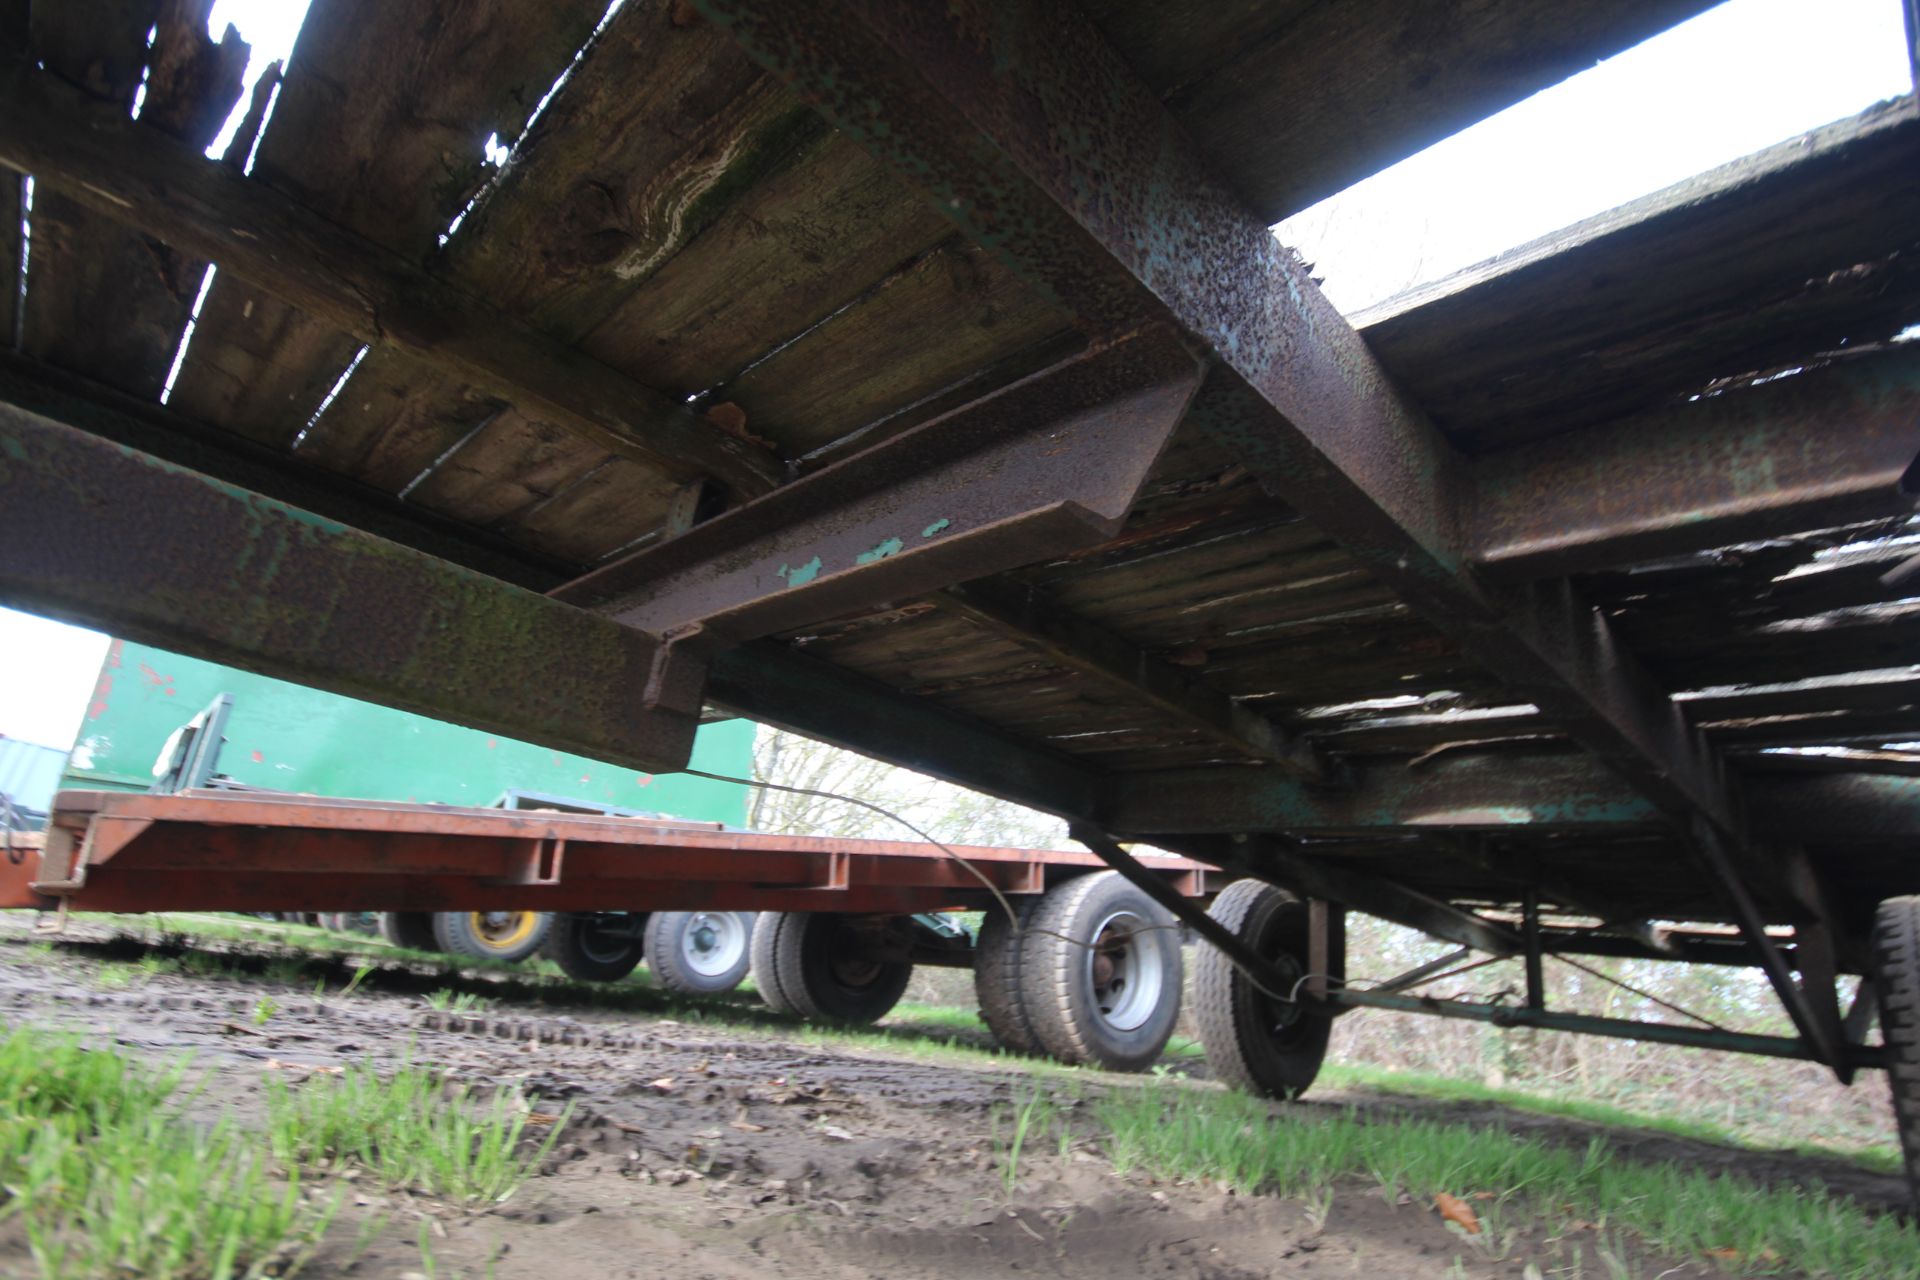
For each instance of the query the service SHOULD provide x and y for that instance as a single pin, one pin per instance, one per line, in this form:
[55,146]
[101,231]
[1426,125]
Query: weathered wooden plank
[391,421]
[257,366]
[662,128]
[604,511]
[335,275]
[1328,94]
[1102,653]
[1792,649]
[952,310]
[796,248]
[378,126]
[675,155]
[12,212]
[509,465]
[1765,261]
[108,302]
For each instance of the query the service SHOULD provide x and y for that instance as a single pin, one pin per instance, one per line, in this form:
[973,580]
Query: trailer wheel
[766,977]
[410,929]
[595,946]
[1896,965]
[1100,972]
[699,953]
[511,936]
[819,965]
[996,975]
[1253,1041]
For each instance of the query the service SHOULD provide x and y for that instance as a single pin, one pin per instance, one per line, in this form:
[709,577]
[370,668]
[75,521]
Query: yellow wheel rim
[502,930]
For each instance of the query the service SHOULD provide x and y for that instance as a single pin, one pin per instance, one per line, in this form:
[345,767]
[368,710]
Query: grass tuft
[1256,1146]
[106,1179]
[408,1130]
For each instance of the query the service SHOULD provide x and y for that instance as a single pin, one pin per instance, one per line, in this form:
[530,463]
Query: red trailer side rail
[227,851]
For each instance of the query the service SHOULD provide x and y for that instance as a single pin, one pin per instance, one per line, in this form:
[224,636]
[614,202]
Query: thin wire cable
[1013,917]
[1645,995]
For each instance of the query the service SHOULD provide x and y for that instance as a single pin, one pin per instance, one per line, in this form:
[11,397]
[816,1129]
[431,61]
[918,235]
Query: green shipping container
[290,738]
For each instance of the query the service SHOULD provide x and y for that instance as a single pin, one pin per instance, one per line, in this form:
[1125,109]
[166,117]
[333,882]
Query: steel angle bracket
[1047,465]
[100,534]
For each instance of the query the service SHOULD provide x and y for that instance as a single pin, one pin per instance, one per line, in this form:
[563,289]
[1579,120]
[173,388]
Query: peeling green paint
[803,575]
[888,548]
[934,528]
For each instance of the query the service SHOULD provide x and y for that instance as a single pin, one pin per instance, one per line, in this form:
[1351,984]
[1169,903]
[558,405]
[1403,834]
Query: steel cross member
[1031,133]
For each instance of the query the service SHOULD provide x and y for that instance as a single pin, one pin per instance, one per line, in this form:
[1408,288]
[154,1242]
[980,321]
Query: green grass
[1255,1146]
[408,1130]
[1031,1118]
[1883,1158]
[105,1178]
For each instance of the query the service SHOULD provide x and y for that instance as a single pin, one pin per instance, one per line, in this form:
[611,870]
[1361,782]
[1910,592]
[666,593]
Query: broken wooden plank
[350,283]
[107,301]
[378,126]
[1337,92]
[1767,261]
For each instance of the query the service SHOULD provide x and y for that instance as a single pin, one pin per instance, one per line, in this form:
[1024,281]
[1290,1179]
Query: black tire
[509,936]
[596,946]
[1896,971]
[1253,1041]
[820,968]
[1101,973]
[996,975]
[766,975]
[699,953]
[410,929]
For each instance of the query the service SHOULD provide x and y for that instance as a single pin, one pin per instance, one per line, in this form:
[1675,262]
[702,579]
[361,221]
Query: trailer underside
[926,380]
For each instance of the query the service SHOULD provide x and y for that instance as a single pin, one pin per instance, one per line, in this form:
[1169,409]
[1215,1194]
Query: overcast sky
[1734,80]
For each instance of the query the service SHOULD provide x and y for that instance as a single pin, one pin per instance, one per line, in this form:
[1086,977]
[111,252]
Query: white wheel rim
[1125,971]
[713,942]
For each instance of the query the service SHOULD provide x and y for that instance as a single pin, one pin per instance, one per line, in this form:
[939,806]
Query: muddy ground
[716,1147]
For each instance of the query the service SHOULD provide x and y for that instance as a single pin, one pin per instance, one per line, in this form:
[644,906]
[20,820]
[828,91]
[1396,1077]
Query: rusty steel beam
[234,459]
[1852,1057]
[1365,890]
[1028,130]
[1820,449]
[775,684]
[102,535]
[1509,791]
[1024,127]
[1050,463]
[1514,791]
[1034,623]
[93,154]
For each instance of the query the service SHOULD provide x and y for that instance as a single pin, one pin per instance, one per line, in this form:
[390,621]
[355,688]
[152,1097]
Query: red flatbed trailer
[846,919]
[227,851]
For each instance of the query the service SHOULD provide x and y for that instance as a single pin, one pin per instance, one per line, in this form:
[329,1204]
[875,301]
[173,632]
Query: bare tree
[946,812]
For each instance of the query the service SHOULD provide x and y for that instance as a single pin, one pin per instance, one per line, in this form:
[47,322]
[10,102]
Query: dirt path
[711,1150]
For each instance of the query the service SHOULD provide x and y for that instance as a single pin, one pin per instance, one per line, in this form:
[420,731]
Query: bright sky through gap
[47,673]
[1733,81]
[269,28]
